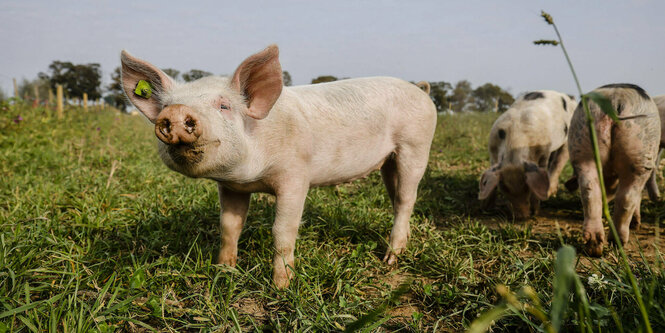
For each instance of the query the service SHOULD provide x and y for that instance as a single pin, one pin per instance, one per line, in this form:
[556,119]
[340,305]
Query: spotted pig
[628,151]
[652,185]
[527,146]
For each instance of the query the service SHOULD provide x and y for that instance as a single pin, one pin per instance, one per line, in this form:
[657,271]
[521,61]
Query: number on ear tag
[143,89]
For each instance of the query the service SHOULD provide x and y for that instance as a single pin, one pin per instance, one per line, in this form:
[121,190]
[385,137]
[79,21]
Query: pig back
[632,141]
[345,129]
[531,129]
[660,103]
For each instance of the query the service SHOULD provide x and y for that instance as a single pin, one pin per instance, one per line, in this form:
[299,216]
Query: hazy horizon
[478,41]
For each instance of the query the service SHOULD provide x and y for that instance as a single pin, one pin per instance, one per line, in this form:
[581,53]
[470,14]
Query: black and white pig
[528,150]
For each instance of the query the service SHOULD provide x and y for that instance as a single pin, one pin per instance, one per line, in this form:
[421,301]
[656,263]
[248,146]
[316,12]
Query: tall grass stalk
[596,153]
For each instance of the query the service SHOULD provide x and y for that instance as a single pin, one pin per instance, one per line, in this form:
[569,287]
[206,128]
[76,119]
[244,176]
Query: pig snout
[178,124]
[521,211]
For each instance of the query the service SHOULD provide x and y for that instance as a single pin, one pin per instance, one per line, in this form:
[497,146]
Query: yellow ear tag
[143,89]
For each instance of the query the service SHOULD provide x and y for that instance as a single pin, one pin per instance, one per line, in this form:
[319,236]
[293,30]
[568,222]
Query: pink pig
[250,134]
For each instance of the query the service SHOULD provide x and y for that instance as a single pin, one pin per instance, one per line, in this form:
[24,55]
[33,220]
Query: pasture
[96,234]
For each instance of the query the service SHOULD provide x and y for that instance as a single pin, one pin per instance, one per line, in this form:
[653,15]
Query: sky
[477,40]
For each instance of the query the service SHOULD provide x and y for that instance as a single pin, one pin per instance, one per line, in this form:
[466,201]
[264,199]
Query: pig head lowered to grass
[251,134]
[528,150]
[628,152]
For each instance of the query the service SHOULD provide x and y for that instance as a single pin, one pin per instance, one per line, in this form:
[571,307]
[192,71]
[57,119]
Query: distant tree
[116,96]
[89,80]
[439,94]
[75,79]
[194,74]
[324,78]
[286,77]
[173,73]
[28,87]
[3,95]
[490,97]
[61,73]
[461,98]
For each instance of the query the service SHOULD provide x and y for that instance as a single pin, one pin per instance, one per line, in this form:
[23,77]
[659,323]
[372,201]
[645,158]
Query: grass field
[96,234]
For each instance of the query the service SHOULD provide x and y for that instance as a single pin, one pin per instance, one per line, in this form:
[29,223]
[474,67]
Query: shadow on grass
[445,196]
[447,200]
[155,235]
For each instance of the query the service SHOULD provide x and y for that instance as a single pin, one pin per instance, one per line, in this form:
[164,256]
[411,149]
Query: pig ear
[259,79]
[488,183]
[537,179]
[155,84]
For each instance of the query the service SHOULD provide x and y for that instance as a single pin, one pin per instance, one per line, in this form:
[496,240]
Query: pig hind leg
[401,176]
[389,175]
[652,184]
[627,203]
[592,229]
[556,165]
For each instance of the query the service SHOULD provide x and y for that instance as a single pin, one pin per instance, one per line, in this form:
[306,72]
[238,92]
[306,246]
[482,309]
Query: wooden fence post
[85,101]
[15,88]
[50,98]
[59,97]
[35,89]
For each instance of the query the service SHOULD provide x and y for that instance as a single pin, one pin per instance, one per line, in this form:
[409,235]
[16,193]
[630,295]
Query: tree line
[77,79]
[460,97]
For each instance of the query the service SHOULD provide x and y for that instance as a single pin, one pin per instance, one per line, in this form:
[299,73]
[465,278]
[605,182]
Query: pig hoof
[281,281]
[391,257]
[624,241]
[594,244]
[226,259]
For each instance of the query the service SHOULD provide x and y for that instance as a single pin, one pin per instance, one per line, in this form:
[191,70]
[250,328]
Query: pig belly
[346,164]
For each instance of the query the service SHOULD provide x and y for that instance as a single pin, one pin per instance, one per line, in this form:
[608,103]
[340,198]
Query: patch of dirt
[394,279]
[645,240]
[403,311]
[251,307]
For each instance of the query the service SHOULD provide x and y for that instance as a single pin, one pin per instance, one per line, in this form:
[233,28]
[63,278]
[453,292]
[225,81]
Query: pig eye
[223,107]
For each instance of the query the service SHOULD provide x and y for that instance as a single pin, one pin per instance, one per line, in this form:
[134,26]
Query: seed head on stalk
[606,106]
[547,17]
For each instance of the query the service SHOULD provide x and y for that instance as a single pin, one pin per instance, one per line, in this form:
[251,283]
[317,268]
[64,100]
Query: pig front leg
[233,214]
[290,203]
[592,229]
[534,205]
[555,168]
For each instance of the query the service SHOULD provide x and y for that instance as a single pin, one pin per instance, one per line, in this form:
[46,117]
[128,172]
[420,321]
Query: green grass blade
[564,275]
[373,316]
[29,306]
[483,323]
[604,103]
